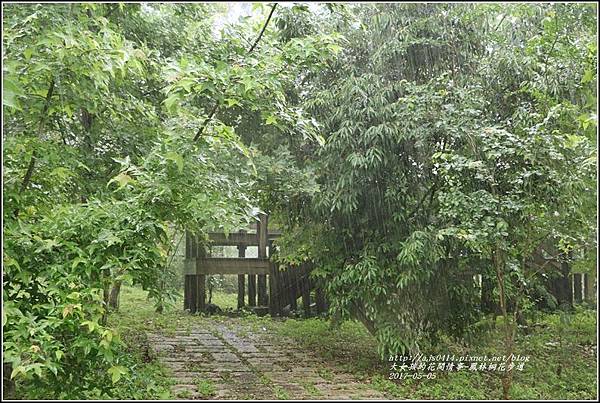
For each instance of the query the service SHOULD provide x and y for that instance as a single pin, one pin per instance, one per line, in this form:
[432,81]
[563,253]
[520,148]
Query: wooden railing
[284,286]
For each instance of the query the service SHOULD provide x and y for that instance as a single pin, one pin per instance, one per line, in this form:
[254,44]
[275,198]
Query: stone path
[214,362]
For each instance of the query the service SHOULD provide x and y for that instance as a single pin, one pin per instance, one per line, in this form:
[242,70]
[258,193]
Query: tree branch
[41,125]
[31,166]
[216,106]
[430,192]
[263,28]
[205,123]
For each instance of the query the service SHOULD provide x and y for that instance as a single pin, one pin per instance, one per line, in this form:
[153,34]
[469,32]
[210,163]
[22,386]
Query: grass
[184,394]
[205,387]
[310,388]
[326,374]
[224,301]
[552,344]
[562,351]
[280,393]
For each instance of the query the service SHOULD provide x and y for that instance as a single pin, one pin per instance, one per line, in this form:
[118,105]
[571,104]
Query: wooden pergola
[283,288]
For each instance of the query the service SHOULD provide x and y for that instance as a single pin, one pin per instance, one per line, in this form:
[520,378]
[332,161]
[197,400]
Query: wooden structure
[266,286]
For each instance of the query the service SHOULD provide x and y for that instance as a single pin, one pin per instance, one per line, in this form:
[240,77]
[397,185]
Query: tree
[422,82]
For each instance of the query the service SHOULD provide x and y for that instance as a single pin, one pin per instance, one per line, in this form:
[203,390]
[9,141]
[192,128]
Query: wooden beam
[273,230]
[233,239]
[232,265]
[238,238]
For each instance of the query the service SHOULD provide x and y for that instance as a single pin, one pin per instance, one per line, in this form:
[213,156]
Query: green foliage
[448,129]
[54,312]
[103,162]
[205,388]
[403,148]
[351,347]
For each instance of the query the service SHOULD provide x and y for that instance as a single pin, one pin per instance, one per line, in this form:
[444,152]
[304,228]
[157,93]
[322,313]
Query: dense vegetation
[410,151]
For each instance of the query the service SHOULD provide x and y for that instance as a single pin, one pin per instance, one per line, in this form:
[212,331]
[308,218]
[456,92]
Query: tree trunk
[8,385]
[106,293]
[359,314]
[488,304]
[509,326]
[115,292]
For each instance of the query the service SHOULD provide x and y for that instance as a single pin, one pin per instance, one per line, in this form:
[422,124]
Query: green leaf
[122,179]
[335,48]
[587,76]
[186,83]
[271,120]
[172,102]
[116,372]
[177,158]
[90,324]
[231,102]
[11,89]
[76,262]
[16,371]
[27,53]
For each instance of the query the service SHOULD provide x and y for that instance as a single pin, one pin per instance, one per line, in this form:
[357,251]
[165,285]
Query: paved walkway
[215,363]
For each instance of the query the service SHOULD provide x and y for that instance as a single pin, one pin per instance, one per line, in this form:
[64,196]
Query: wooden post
[280,290]
[200,282]
[201,294]
[293,271]
[193,293]
[262,233]
[193,246]
[187,289]
[577,288]
[251,290]
[305,290]
[288,288]
[589,288]
[241,280]
[561,287]
[320,298]
[188,245]
[274,305]
[283,288]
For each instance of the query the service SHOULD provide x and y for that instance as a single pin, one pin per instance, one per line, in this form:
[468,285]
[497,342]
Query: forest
[429,167]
